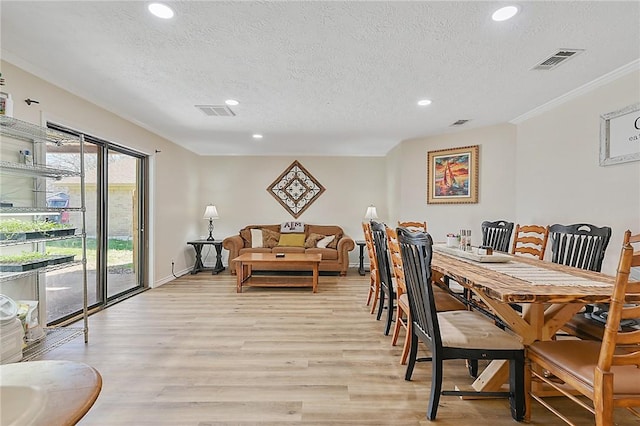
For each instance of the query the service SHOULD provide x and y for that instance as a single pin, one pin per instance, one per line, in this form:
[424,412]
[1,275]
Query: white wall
[175,184]
[496,191]
[238,188]
[558,176]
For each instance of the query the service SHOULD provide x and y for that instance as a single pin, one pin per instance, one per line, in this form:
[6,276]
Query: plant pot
[18,236]
[57,259]
[62,232]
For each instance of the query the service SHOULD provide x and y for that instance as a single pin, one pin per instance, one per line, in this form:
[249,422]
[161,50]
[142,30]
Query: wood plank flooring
[194,352]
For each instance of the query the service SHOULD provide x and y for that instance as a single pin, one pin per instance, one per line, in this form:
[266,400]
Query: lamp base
[210,230]
[210,238]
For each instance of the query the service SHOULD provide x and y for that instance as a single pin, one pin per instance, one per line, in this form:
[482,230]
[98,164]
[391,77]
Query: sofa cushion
[323,243]
[291,240]
[254,250]
[256,238]
[327,253]
[270,238]
[312,240]
[285,249]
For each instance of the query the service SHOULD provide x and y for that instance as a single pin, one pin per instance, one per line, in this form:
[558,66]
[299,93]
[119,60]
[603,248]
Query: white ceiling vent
[459,123]
[216,110]
[559,57]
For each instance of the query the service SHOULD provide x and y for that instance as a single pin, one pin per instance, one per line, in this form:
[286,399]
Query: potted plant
[15,229]
[27,261]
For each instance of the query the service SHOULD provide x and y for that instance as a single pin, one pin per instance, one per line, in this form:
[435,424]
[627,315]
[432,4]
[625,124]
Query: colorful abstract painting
[452,175]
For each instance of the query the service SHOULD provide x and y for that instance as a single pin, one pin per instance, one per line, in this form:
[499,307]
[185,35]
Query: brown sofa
[335,257]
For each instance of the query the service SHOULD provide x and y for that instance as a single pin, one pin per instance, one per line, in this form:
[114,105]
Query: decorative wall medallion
[295,189]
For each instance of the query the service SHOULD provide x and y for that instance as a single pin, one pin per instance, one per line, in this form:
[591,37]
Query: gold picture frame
[452,175]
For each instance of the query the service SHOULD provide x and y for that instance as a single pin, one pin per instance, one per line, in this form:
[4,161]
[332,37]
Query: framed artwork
[620,136]
[452,176]
[295,189]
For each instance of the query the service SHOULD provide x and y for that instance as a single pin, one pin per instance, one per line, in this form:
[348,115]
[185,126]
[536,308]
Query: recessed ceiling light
[504,13]
[257,136]
[424,102]
[231,102]
[161,10]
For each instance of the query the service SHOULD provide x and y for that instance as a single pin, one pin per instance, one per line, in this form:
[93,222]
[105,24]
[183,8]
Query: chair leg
[413,353]
[436,386]
[380,303]
[390,309]
[396,327]
[376,296]
[407,340]
[516,387]
[372,286]
[472,366]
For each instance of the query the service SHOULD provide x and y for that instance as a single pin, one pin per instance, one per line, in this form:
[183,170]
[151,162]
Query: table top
[71,387]
[527,280]
[205,242]
[271,257]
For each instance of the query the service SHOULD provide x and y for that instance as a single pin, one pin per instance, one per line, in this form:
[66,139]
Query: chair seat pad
[445,301]
[403,300]
[471,330]
[580,357]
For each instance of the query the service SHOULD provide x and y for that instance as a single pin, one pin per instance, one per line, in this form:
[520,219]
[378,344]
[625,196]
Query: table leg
[361,266]
[315,277]
[219,266]
[197,266]
[239,276]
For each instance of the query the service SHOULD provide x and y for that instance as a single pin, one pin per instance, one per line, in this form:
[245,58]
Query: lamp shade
[371,213]
[210,212]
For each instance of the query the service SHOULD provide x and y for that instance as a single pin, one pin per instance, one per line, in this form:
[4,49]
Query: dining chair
[374,284]
[608,372]
[580,245]
[387,291]
[454,334]
[497,235]
[444,300]
[413,225]
[530,240]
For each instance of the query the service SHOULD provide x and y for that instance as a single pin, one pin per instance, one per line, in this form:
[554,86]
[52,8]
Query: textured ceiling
[316,78]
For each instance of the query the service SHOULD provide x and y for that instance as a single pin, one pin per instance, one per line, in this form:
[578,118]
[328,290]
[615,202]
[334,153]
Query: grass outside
[119,252]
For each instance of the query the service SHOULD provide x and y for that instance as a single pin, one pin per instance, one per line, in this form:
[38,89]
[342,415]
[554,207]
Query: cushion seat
[471,330]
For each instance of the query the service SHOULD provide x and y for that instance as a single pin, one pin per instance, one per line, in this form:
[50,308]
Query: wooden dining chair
[530,240]
[580,245]
[455,334]
[444,300]
[413,225]
[497,235]
[387,291]
[607,372]
[374,284]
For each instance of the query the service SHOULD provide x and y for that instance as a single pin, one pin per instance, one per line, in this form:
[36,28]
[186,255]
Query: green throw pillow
[291,240]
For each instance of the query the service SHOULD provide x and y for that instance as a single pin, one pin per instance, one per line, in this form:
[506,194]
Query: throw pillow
[246,237]
[291,240]
[312,240]
[256,238]
[323,243]
[334,243]
[270,238]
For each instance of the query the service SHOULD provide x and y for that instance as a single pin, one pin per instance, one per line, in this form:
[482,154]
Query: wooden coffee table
[269,262]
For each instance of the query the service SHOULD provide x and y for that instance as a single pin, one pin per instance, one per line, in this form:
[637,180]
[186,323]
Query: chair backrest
[580,245]
[416,249]
[497,235]
[413,226]
[368,239]
[378,230]
[530,240]
[396,260]
[614,337]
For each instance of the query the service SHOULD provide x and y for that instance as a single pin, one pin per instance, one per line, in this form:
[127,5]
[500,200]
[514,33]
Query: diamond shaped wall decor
[295,189]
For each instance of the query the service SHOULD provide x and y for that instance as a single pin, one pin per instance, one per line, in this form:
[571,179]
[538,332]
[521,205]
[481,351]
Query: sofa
[328,240]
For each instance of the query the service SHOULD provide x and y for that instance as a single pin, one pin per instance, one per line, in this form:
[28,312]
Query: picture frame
[452,175]
[620,136]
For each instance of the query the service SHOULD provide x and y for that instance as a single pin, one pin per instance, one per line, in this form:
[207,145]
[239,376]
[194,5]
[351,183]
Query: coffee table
[269,262]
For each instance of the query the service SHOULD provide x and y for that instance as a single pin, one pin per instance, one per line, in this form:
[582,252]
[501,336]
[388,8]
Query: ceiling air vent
[459,122]
[559,57]
[216,110]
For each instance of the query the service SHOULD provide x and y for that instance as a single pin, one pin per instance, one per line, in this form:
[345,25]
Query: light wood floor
[193,352]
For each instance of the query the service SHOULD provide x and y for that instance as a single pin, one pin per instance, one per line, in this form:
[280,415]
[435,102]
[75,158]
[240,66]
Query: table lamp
[371,213]
[210,213]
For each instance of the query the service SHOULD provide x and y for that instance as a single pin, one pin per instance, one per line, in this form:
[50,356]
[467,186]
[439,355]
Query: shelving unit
[31,203]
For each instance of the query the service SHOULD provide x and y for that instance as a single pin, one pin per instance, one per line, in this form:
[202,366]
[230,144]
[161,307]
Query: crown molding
[600,81]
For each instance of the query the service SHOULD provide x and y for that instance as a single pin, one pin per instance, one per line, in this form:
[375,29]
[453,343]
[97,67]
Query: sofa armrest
[233,244]
[345,245]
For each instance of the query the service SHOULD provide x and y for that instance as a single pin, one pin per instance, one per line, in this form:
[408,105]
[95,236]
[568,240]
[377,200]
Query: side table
[361,244]
[198,265]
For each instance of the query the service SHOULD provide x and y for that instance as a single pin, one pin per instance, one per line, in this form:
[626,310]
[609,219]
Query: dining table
[549,294]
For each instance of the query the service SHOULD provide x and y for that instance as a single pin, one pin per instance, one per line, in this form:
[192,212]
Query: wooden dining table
[549,294]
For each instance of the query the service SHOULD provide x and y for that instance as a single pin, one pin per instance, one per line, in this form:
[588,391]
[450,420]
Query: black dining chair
[580,245]
[387,292]
[497,234]
[454,334]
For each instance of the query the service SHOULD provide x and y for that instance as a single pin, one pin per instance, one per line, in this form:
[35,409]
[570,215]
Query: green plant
[24,257]
[16,226]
